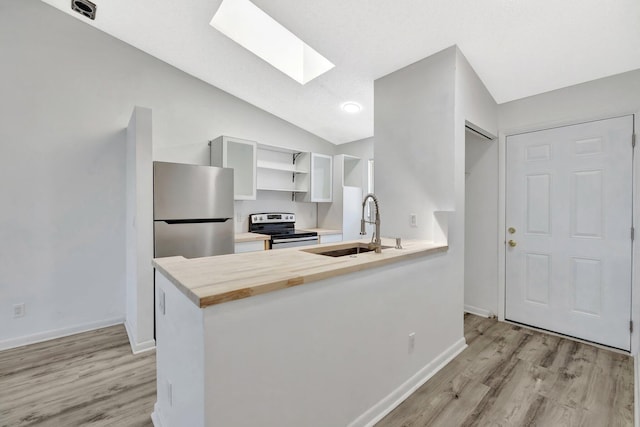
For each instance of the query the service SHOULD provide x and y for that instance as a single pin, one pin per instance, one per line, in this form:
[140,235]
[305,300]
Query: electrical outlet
[414,220]
[18,310]
[238,217]
[161,303]
[412,342]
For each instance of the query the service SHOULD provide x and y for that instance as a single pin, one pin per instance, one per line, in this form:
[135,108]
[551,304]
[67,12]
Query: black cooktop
[284,233]
[280,230]
[292,233]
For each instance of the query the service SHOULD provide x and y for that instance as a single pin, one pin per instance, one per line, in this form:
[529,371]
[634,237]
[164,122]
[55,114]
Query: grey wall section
[362,148]
[479,107]
[602,98]
[67,94]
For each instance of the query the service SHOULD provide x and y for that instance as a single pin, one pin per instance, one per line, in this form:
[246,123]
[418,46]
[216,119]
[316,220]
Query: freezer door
[183,191]
[193,239]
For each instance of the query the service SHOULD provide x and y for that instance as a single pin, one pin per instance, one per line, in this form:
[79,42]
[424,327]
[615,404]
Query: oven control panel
[266,218]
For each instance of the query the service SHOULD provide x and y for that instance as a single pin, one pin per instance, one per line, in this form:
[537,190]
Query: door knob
[512,243]
[511,230]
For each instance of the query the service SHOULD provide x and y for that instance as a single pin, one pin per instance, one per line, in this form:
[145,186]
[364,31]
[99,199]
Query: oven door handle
[294,240]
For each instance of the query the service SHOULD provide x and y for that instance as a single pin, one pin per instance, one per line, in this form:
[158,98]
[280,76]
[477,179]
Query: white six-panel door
[568,219]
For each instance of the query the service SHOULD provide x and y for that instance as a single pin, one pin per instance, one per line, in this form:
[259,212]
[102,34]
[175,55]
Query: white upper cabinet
[352,171]
[321,179]
[241,155]
[346,210]
[259,167]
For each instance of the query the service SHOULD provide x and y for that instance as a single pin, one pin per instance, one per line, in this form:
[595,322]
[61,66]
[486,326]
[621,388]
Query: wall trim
[396,397]
[477,311]
[155,416]
[502,191]
[58,333]
[135,346]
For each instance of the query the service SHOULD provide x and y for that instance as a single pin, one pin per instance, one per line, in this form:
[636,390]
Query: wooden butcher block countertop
[250,237]
[214,280]
[323,231]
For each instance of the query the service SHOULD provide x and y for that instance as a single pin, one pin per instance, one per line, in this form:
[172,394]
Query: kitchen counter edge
[204,282]
[250,237]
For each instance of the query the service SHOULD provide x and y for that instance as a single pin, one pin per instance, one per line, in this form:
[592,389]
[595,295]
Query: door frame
[502,188]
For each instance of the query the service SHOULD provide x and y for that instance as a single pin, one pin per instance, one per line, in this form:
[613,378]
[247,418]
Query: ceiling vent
[84,7]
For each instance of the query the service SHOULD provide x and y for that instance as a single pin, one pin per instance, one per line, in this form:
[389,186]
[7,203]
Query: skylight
[250,27]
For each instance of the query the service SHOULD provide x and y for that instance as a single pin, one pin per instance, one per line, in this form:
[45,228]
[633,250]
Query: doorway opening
[481,223]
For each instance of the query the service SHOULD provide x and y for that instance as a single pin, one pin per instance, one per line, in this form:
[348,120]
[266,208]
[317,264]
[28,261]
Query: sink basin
[342,250]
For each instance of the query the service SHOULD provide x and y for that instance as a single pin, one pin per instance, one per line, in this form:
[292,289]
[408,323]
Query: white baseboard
[155,416]
[396,397]
[477,311]
[137,347]
[58,333]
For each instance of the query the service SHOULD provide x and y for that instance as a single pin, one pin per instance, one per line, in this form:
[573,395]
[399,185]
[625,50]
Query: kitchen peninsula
[293,337]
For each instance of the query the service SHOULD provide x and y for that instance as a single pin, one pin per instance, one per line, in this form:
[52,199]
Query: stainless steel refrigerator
[192,210]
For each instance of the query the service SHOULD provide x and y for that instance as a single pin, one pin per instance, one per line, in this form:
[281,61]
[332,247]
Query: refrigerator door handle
[194,221]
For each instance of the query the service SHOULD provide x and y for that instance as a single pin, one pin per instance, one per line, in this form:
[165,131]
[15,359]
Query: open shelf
[279,167]
[288,190]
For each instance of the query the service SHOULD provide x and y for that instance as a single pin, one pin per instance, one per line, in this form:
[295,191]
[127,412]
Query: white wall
[67,94]
[414,144]
[481,226]
[139,231]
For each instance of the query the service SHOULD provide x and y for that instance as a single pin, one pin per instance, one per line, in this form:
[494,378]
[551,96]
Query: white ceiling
[518,47]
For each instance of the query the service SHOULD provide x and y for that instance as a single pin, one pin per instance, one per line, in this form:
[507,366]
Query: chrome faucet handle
[398,243]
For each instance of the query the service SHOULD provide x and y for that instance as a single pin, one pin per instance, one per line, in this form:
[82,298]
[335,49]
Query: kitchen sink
[342,250]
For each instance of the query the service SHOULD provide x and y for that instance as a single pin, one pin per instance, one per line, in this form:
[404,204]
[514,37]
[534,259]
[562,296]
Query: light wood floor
[88,379]
[512,376]
[508,376]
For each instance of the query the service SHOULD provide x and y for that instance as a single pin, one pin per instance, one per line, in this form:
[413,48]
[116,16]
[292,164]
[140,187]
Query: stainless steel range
[282,229]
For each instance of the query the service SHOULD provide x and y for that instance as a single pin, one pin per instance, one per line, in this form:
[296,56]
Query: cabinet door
[242,247]
[240,155]
[321,178]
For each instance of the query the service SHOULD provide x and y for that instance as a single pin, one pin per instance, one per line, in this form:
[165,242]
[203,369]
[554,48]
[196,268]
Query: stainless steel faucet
[377,243]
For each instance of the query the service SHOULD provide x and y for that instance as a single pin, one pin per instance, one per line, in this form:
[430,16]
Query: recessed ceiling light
[250,27]
[351,107]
